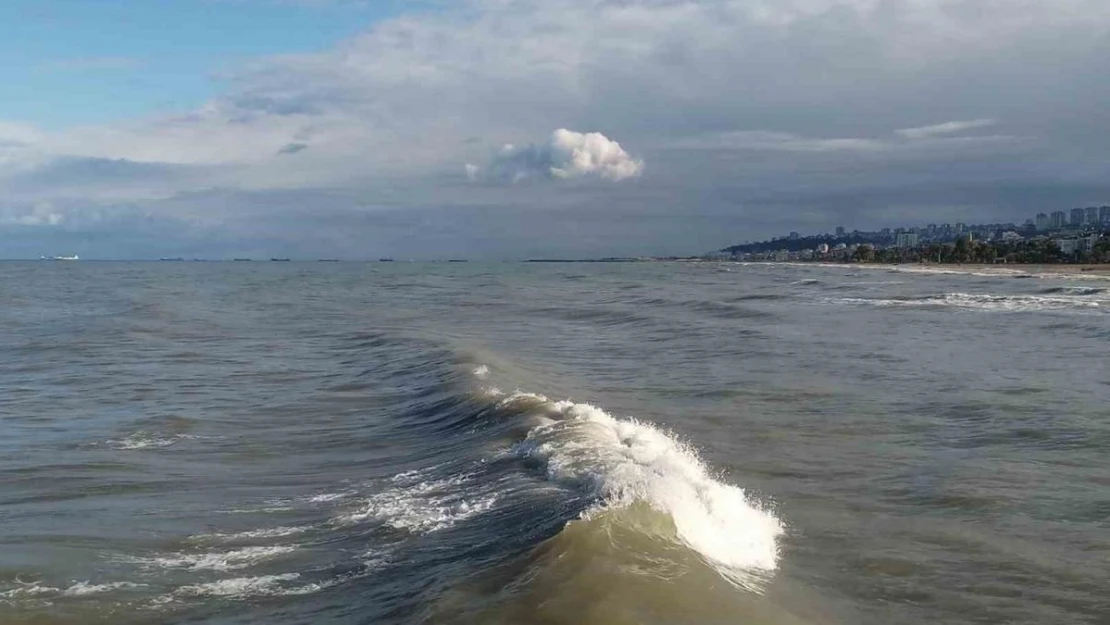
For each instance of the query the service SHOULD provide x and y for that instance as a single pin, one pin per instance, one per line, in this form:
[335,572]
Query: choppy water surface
[617,443]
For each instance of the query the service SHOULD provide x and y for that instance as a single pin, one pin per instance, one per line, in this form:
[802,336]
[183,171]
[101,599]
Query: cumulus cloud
[565,155]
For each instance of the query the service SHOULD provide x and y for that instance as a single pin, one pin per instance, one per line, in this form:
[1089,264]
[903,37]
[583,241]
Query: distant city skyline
[1076,217]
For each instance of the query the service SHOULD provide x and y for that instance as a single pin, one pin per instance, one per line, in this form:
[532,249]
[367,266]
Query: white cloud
[947,128]
[565,155]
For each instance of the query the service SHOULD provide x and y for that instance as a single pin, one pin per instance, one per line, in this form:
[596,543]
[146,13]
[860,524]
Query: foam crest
[1004,303]
[424,506]
[266,532]
[265,585]
[77,589]
[148,440]
[81,589]
[217,561]
[625,461]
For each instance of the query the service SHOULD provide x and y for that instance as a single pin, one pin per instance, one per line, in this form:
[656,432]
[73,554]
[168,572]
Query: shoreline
[1101,269]
[1077,271]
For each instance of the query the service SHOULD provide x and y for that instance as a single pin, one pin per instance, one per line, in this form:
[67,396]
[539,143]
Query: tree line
[1034,251]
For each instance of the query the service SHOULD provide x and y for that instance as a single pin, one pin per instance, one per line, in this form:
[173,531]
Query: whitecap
[239,587]
[81,589]
[424,506]
[216,561]
[76,589]
[987,302]
[623,461]
[147,440]
[265,532]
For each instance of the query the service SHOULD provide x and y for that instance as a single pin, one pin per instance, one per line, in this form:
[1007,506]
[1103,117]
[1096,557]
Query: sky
[504,129]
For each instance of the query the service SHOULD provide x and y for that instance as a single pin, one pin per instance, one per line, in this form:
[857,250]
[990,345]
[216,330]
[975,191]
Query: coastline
[1101,269]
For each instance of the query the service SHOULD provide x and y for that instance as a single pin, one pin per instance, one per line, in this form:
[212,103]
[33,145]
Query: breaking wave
[1075,290]
[500,478]
[1003,303]
[625,462]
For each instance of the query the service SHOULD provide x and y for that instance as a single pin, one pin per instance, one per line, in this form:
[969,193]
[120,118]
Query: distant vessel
[171,260]
[279,260]
[74,257]
[385,260]
[457,260]
[328,260]
[242,260]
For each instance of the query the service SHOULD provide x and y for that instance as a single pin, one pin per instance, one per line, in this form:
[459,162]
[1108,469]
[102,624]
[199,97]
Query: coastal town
[1081,235]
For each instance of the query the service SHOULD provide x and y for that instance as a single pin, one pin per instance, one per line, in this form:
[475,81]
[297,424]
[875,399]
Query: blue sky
[515,128]
[67,62]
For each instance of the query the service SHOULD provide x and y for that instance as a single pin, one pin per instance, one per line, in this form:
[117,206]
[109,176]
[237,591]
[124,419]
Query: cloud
[565,155]
[782,142]
[947,128]
[753,114]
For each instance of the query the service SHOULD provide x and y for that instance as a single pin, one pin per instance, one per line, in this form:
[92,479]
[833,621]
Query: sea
[552,443]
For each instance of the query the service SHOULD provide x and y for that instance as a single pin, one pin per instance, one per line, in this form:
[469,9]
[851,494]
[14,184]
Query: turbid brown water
[514,443]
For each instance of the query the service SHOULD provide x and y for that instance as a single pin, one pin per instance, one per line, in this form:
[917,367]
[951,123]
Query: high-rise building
[840,231]
[886,231]
[1042,221]
[1077,216]
[931,230]
[1104,215]
[1092,216]
[960,226]
[1059,219]
[906,239]
[794,236]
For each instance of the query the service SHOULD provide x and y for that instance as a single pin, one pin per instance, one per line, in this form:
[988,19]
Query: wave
[1074,290]
[148,440]
[216,561]
[624,463]
[422,506]
[498,478]
[77,589]
[1002,303]
[268,532]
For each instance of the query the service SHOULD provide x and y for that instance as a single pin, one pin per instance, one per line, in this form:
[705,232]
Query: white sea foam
[424,506]
[265,532]
[80,589]
[77,589]
[29,589]
[328,497]
[481,371]
[217,561]
[1005,303]
[625,461]
[148,440]
[265,585]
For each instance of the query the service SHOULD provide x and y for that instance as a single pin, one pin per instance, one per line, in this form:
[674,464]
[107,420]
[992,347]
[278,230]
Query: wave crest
[624,462]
